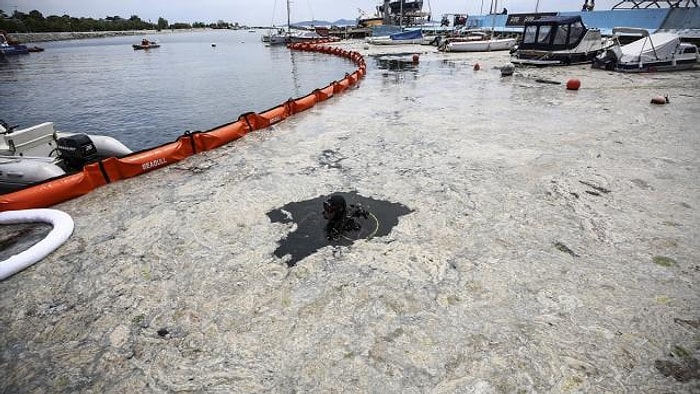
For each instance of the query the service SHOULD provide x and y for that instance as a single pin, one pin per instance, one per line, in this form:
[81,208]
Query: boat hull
[504,44]
[145,47]
[389,41]
[545,58]
[14,50]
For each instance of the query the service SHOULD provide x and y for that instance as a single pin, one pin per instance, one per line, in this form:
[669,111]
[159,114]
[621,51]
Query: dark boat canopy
[553,33]
[408,6]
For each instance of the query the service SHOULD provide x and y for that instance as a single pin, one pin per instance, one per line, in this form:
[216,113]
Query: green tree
[36,15]
[162,23]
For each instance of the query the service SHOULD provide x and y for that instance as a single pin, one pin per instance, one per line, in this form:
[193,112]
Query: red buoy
[659,100]
[573,84]
[477,67]
[415,58]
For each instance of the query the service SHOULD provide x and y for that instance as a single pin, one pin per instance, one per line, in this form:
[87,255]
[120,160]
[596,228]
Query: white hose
[62,229]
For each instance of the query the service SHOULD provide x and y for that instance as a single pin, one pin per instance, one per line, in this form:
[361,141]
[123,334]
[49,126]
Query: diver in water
[340,218]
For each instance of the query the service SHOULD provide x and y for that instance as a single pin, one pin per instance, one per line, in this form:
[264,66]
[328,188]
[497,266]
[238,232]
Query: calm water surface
[147,98]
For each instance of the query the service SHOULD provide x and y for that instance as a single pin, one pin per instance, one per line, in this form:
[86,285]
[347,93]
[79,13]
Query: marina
[550,247]
[514,229]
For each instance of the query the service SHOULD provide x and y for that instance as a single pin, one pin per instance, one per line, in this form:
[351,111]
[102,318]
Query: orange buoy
[659,100]
[415,58]
[573,84]
[477,67]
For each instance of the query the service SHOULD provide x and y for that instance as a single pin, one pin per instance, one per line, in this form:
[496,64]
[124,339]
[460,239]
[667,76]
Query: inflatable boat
[38,153]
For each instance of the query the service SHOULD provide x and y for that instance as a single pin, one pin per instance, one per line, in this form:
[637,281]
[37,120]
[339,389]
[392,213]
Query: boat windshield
[543,35]
[554,33]
[562,35]
[530,34]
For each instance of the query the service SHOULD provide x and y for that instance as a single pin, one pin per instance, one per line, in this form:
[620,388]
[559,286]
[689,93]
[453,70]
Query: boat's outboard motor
[76,150]
[608,59]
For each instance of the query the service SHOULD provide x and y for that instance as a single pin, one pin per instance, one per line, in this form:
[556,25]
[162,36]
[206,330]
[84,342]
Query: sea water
[144,98]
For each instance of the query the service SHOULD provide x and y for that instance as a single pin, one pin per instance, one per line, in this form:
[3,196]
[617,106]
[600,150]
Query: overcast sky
[266,12]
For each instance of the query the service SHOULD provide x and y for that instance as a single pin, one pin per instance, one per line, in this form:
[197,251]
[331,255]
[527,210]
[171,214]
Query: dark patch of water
[311,234]
[16,238]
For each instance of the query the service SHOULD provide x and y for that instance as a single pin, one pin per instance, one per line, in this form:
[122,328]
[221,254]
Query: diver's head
[334,207]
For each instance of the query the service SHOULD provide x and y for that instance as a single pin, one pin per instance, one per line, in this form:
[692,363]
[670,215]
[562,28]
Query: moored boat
[146,44]
[651,53]
[9,47]
[476,41]
[38,153]
[404,37]
[558,41]
[479,41]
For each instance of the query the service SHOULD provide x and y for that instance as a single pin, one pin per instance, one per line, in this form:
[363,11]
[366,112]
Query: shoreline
[77,35]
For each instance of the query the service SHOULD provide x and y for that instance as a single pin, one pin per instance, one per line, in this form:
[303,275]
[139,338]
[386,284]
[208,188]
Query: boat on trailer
[651,53]
[38,153]
[558,41]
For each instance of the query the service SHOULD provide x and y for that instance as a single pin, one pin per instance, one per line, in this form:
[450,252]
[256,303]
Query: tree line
[35,22]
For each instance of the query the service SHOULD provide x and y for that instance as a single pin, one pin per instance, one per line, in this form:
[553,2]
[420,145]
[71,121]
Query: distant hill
[339,22]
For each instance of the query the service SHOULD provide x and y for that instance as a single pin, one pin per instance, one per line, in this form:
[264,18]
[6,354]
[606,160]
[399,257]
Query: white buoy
[507,70]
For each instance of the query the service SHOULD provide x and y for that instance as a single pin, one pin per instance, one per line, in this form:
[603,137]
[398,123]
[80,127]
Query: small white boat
[558,41]
[404,37]
[38,153]
[651,53]
[477,42]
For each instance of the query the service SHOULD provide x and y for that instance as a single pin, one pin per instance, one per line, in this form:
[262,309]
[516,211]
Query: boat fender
[62,229]
[573,84]
[660,100]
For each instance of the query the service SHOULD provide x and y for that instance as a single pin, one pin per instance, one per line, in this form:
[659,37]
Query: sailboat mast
[289,23]
[494,3]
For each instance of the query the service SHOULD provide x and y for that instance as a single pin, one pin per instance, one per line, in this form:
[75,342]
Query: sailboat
[476,41]
[283,37]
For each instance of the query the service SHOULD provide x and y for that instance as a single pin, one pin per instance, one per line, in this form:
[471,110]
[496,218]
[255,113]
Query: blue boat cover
[407,35]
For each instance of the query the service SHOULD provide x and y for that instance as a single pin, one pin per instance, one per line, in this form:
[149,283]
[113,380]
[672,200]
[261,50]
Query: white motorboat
[38,153]
[558,41]
[651,53]
[477,42]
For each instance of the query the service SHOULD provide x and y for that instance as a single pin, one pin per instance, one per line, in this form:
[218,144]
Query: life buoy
[62,229]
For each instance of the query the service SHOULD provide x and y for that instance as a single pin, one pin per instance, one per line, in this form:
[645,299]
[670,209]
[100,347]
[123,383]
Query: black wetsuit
[340,218]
